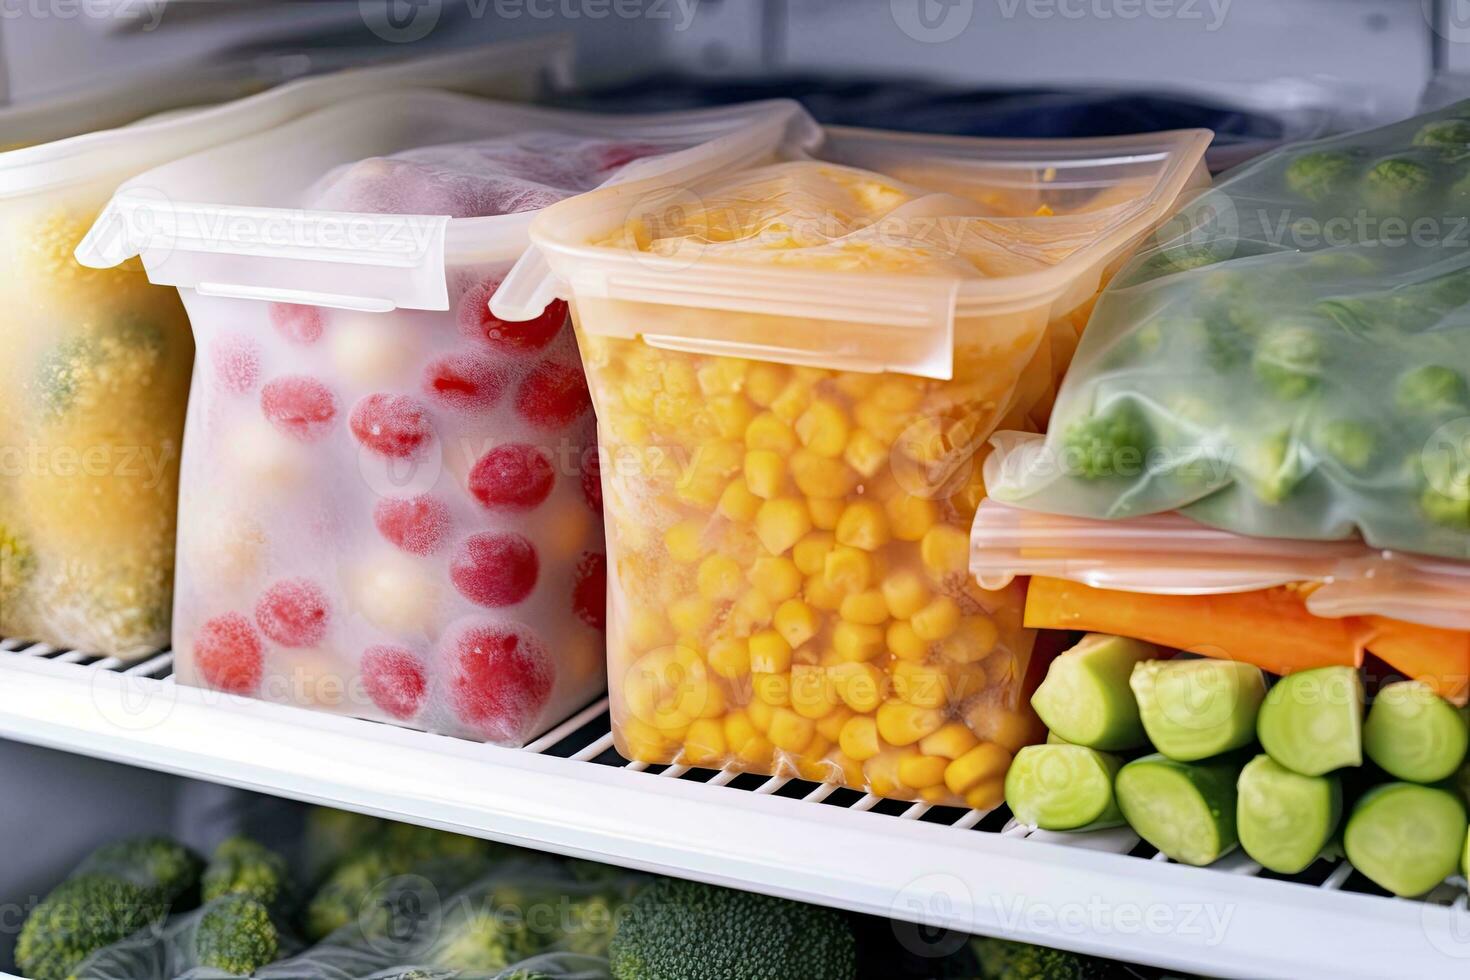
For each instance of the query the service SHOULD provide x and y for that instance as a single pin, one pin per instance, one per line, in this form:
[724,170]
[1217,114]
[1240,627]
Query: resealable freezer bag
[389,505]
[796,361]
[1292,364]
[1279,603]
[96,361]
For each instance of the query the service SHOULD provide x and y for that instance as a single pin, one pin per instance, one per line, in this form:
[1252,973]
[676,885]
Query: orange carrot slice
[1438,657]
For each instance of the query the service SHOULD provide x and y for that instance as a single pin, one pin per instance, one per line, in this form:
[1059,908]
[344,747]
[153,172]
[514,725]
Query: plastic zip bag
[1292,364]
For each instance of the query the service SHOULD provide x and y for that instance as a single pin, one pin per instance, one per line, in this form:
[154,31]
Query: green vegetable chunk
[684,930]
[1446,133]
[1002,959]
[80,916]
[1430,390]
[166,868]
[1406,838]
[236,935]
[1085,697]
[1312,721]
[1063,787]
[1185,809]
[1414,734]
[1193,709]
[1285,819]
[1110,443]
[1321,175]
[1288,360]
[1352,444]
[1396,185]
[240,866]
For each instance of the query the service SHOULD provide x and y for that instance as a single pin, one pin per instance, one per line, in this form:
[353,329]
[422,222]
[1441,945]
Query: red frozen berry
[554,395]
[228,655]
[394,679]
[293,612]
[514,477]
[417,525]
[511,336]
[236,363]
[298,324]
[391,425]
[589,590]
[592,479]
[299,406]
[468,381]
[500,681]
[495,569]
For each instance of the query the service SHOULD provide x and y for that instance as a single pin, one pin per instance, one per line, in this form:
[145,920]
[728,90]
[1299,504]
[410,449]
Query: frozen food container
[96,365]
[796,362]
[389,505]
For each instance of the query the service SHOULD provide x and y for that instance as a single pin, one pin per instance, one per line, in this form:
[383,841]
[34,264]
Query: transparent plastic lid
[1169,554]
[892,240]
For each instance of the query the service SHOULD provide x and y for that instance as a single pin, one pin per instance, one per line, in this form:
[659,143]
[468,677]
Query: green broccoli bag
[1290,358]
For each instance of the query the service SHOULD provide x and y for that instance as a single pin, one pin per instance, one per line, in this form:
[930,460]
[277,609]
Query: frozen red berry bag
[390,504]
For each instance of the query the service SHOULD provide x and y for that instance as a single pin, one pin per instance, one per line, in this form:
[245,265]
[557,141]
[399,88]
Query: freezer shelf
[1104,893]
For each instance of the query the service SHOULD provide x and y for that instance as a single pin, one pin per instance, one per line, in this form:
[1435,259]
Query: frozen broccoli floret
[1274,466]
[61,371]
[168,869]
[236,934]
[1447,133]
[17,564]
[589,924]
[1430,390]
[489,935]
[1289,359]
[1447,509]
[684,930]
[333,834]
[240,866]
[1397,184]
[1321,174]
[81,915]
[1350,443]
[1110,443]
[1001,959]
[1182,258]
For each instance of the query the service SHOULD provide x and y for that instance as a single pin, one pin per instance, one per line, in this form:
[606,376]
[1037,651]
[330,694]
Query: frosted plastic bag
[171,950]
[796,360]
[1293,363]
[95,366]
[390,506]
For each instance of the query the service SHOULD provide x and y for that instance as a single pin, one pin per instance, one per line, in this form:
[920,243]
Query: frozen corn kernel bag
[1293,363]
[1281,604]
[389,499]
[796,360]
[96,363]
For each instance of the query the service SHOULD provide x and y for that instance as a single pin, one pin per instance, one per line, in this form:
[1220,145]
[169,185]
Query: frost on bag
[1296,366]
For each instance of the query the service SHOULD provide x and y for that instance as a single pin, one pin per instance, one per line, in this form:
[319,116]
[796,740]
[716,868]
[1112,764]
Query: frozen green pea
[1321,174]
[1430,389]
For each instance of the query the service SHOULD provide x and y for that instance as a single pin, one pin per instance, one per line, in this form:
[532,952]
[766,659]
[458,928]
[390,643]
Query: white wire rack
[1104,892]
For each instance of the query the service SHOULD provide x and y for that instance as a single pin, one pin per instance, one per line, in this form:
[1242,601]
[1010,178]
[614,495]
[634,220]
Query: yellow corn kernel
[729,657]
[682,541]
[848,569]
[731,415]
[648,629]
[773,689]
[792,401]
[812,692]
[812,764]
[760,712]
[722,375]
[819,595]
[751,613]
[764,382]
[918,684]
[705,744]
[739,729]
[821,476]
[909,517]
[691,614]
[781,523]
[923,442]
[767,432]
[936,795]
[765,472]
[737,503]
[855,384]
[945,551]
[921,771]
[884,425]
[988,795]
[864,452]
[790,731]
[796,622]
[905,593]
[867,607]
[769,653]
[950,742]
[823,428]
[985,761]
[644,743]
[777,578]
[863,525]
[1008,728]
[810,553]
[905,643]
[897,394]
[715,705]
[972,641]
[826,511]
[756,754]
[719,577]
[936,620]
[881,772]
[862,687]
[859,738]
[667,688]
[829,726]
[851,770]
[967,501]
[901,723]
[857,642]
